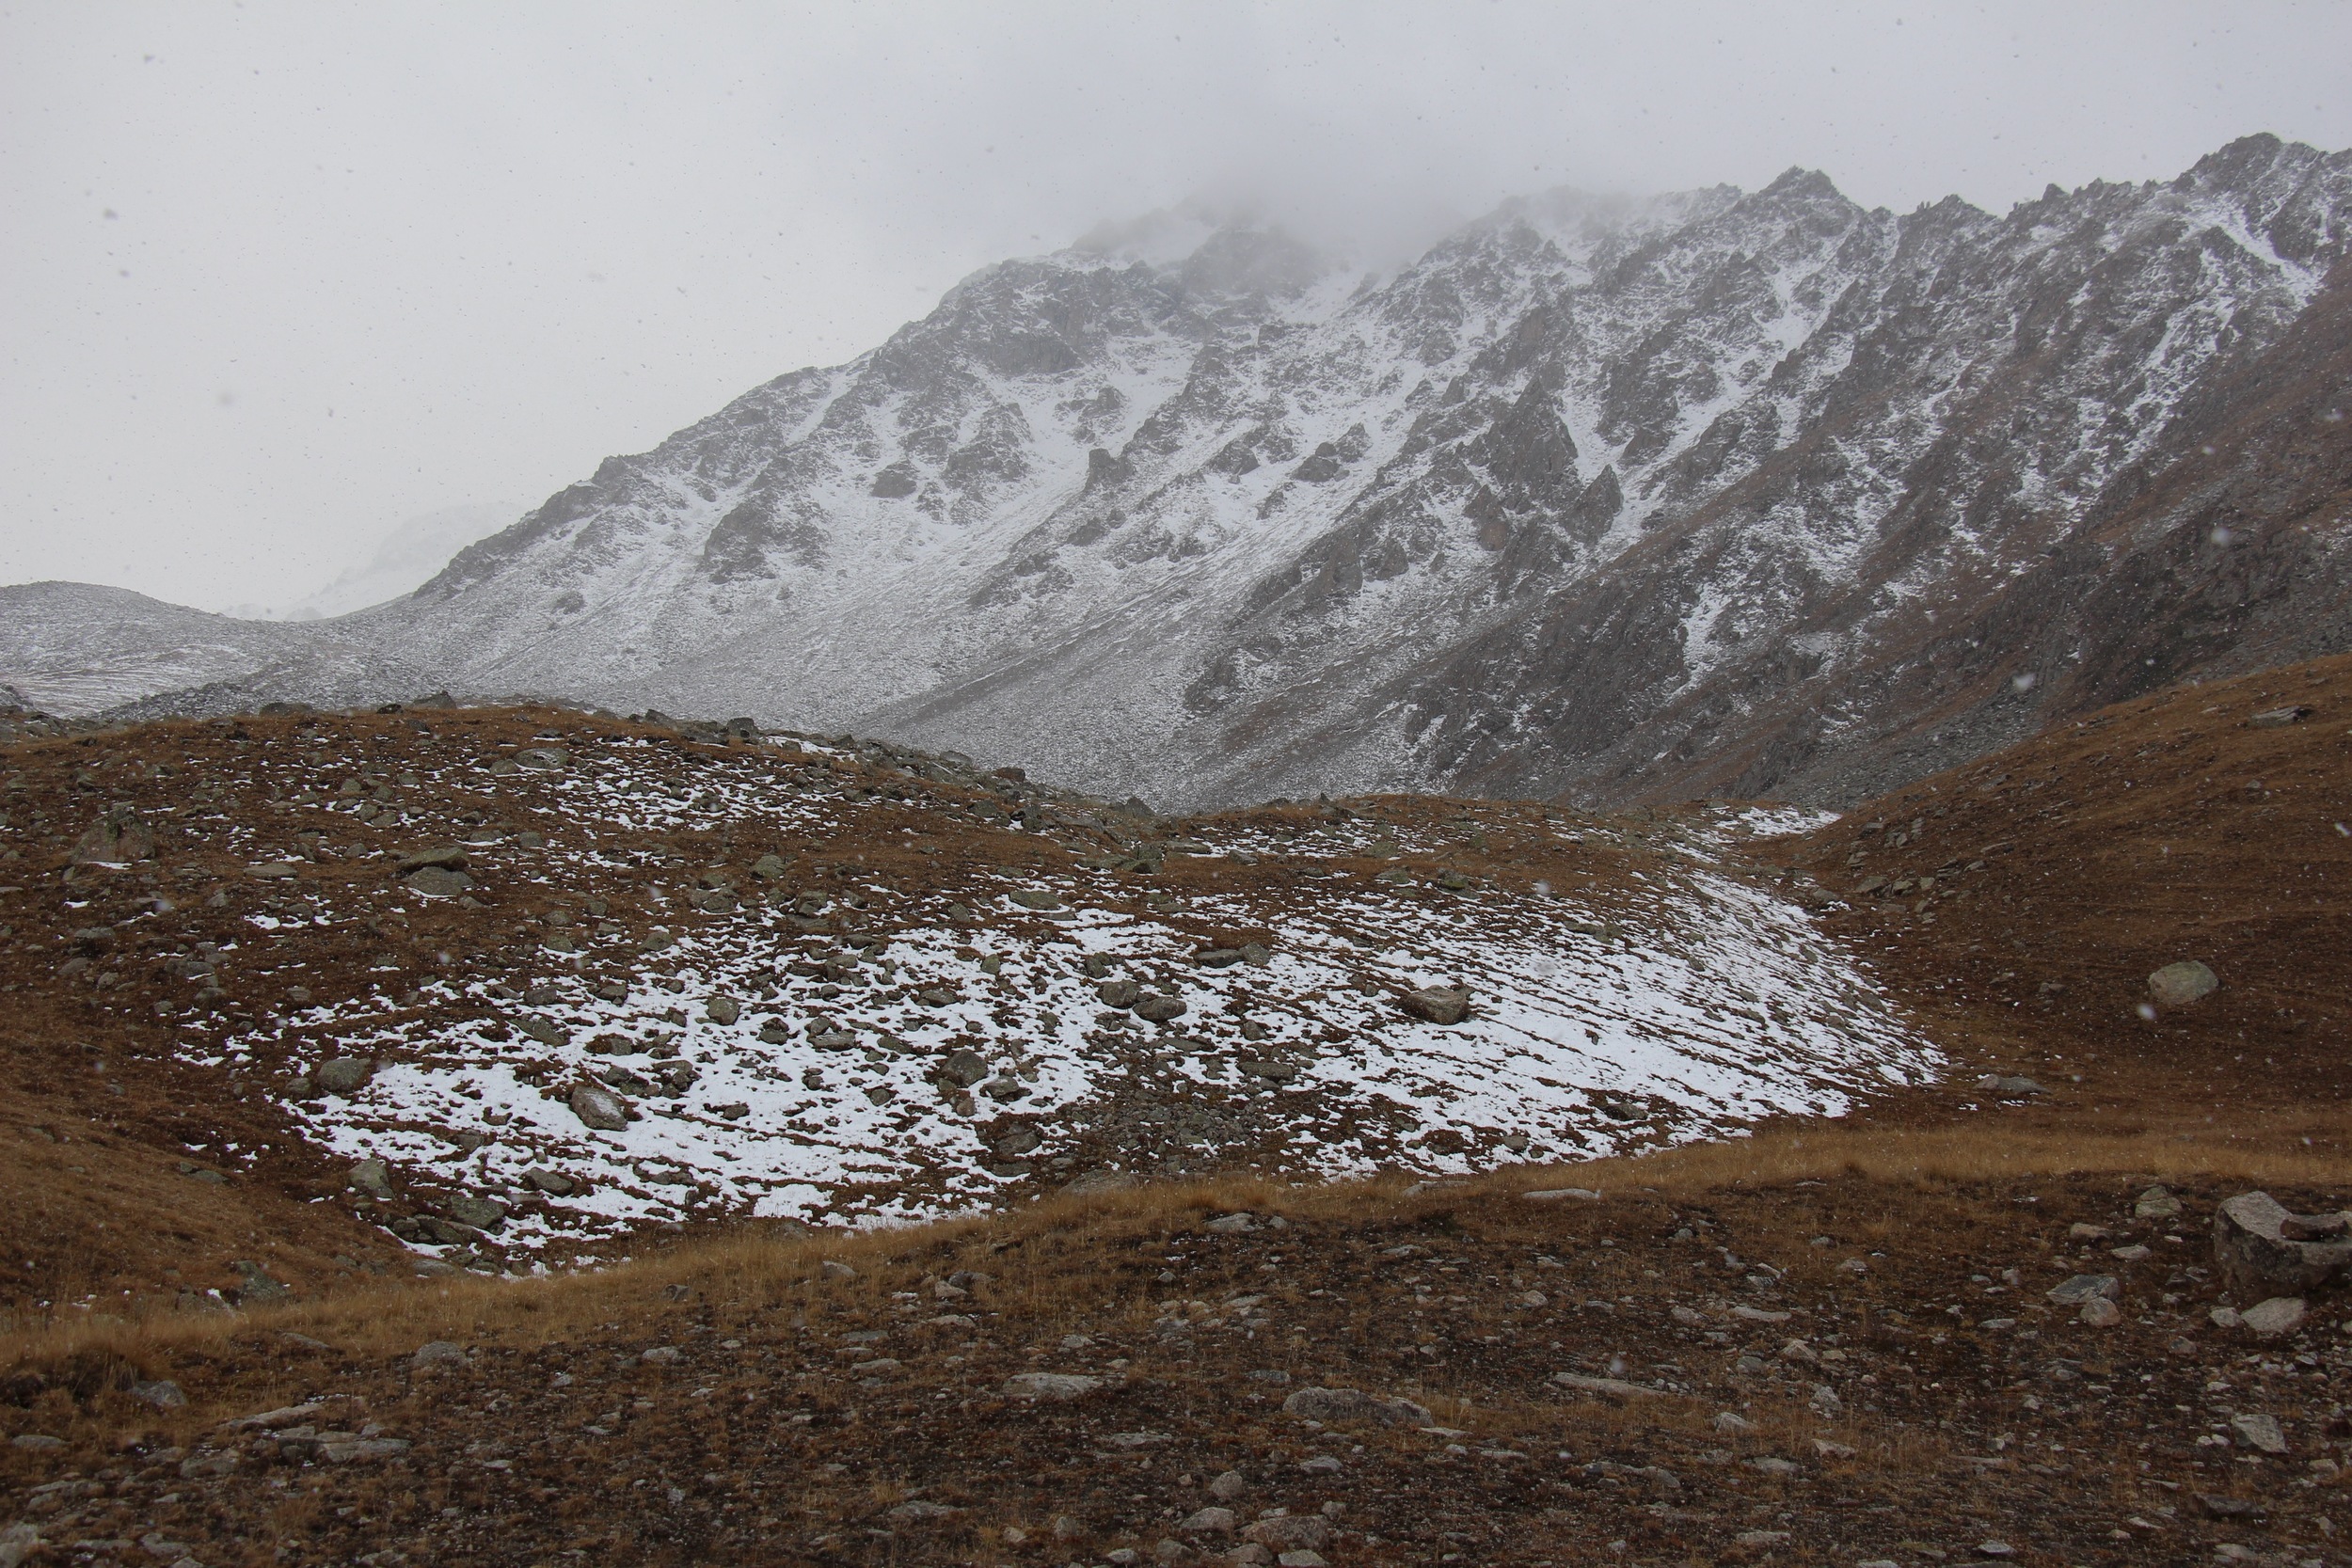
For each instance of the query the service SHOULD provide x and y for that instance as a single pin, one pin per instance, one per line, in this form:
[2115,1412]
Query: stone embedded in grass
[163,1394]
[832,1268]
[438,1352]
[363,1450]
[437,882]
[2010,1088]
[2156,1203]
[1353,1404]
[2083,1286]
[1056,1387]
[2177,984]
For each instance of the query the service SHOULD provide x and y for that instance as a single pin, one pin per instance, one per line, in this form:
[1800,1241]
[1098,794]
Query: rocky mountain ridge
[1749,493]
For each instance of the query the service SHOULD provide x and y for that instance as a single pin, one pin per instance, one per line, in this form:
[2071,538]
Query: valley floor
[1832,1340]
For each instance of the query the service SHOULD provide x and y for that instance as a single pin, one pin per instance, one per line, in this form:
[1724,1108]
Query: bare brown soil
[2066,871]
[812,1416]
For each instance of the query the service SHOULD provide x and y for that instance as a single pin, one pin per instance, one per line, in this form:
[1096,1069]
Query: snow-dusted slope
[1759,491]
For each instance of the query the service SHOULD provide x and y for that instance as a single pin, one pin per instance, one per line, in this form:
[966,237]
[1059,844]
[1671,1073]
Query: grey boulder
[1437,1004]
[2177,984]
[2259,1245]
[600,1109]
[1355,1406]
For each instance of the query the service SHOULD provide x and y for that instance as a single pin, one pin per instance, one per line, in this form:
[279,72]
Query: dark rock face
[1755,493]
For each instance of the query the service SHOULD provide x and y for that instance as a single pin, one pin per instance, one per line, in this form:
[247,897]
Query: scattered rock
[2249,1510]
[2099,1312]
[2275,1318]
[373,1178]
[483,1213]
[1228,1486]
[363,1450]
[724,1009]
[117,838]
[1563,1195]
[345,1075]
[2177,984]
[919,1509]
[964,1068]
[1019,1139]
[1351,1404]
[1056,1387]
[1610,1387]
[2084,1287]
[2158,1203]
[438,1352]
[1212,1520]
[2259,1432]
[446,858]
[1289,1532]
[1155,1008]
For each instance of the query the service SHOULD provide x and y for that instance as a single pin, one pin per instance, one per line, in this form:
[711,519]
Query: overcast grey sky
[278,276]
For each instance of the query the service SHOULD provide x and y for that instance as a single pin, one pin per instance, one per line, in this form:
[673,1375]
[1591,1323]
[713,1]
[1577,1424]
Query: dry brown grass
[1047,1260]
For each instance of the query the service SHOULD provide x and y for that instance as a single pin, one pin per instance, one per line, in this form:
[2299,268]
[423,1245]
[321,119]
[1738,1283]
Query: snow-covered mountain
[1759,492]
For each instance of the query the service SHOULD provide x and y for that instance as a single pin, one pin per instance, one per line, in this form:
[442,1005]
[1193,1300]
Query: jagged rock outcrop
[1758,493]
